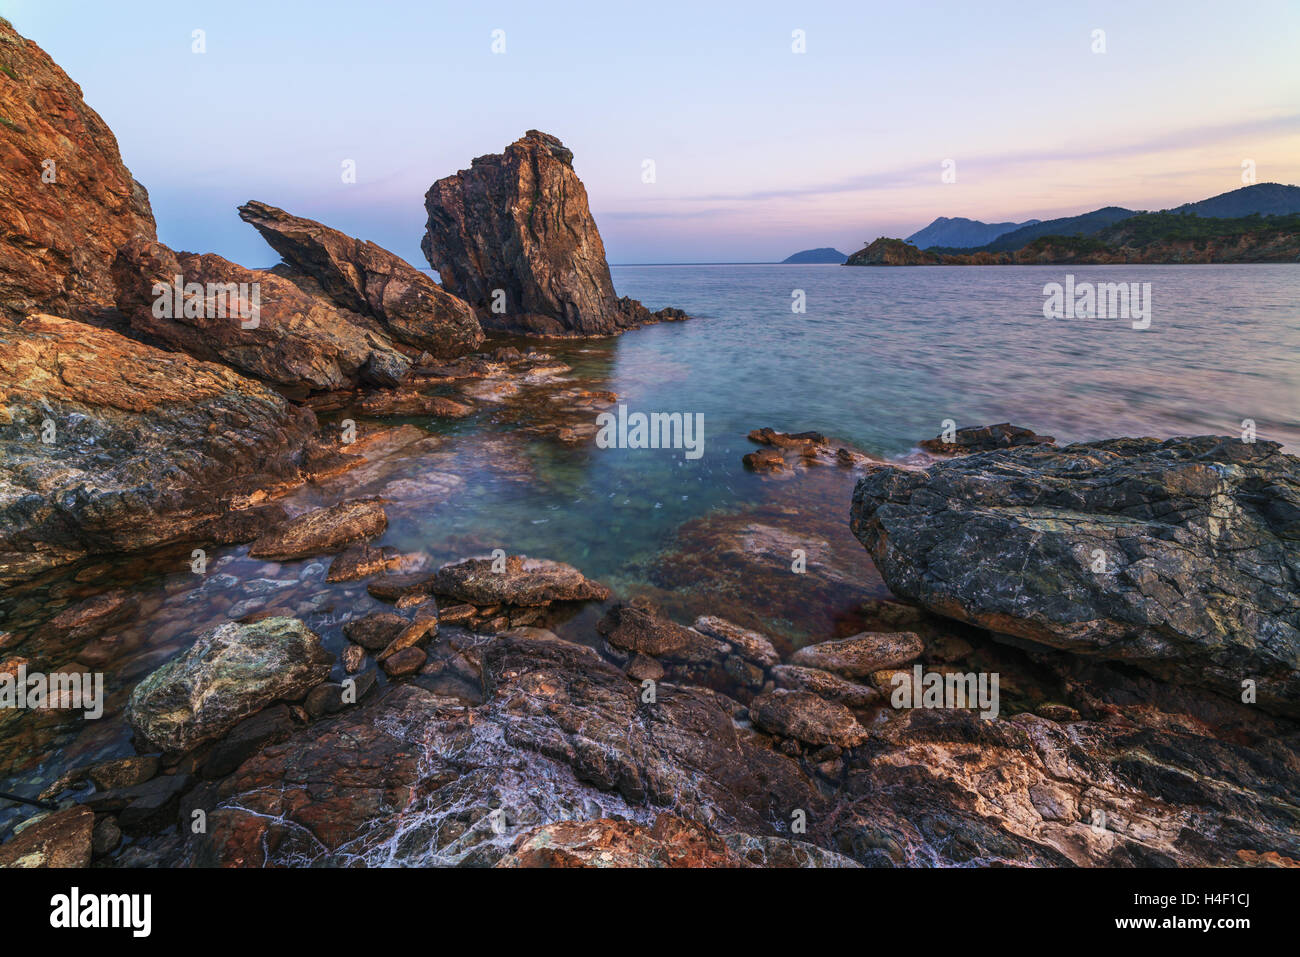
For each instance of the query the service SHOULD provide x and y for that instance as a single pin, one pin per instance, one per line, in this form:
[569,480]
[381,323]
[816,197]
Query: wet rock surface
[520,581]
[322,531]
[985,438]
[225,676]
[365,278]
[1178,556]
[514,230]
[70,202]
[119,415]
[61,839]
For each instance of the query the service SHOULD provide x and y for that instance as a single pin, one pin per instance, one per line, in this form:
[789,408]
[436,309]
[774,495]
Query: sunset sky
[758,151]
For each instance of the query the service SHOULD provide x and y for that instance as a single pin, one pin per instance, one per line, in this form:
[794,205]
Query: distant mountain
[1088,224]
[959,232]
[1266,199]
[823,254]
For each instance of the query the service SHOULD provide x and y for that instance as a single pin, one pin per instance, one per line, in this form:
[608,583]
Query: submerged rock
[985,438]
[367,279]
[225,676]
[523,581]
[122,419]
[1181,556]
[514,233]
[70,202]
[322,531]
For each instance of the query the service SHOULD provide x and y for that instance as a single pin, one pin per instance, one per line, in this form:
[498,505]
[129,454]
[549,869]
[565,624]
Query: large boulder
[69,200]
[145,447]
[291,338]
[228,674]
[370,280]
[1181,556]
[516,225]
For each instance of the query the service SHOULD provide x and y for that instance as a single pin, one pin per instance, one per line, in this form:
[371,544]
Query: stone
[640,627]
[106,835]
[354,658]
[825,685]
[361,561]
[749,645]
[418,631]
[764,460]
[123,772]
[985,438]
[60,839]
[296,340]
[392,402]
[375,631]
[860,655]
[322,531]
[405,662]
[269,726]
[124,415]
[367,279]
[518,222]
[807,718]
[141,807]
[1181,557]
[61,233]
[525,581]
[228,674]
[642,668]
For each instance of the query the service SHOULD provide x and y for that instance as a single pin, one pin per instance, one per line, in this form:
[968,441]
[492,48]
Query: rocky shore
[200,502]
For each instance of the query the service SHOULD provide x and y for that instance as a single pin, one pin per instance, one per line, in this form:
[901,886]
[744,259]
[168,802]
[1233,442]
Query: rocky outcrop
[292,339]
[985,438]
[891,252]
[860,655]
[92,426]
[513,236]
[69,201]
[228,674]
[367,279]
[1181,556]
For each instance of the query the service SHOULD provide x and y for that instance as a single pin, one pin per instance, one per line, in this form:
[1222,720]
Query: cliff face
[368,279]
[69,200]
[513,236]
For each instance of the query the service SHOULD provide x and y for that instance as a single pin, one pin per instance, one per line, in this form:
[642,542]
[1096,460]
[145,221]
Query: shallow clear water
[878,361]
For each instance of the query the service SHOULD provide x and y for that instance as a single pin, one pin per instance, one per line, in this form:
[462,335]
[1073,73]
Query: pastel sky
[759,151]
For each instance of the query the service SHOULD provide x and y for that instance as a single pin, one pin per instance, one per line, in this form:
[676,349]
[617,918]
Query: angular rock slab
[368,279]
[1181,556]
[295,339]
[228,674]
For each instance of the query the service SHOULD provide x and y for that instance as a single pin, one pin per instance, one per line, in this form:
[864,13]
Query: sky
[758,151]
